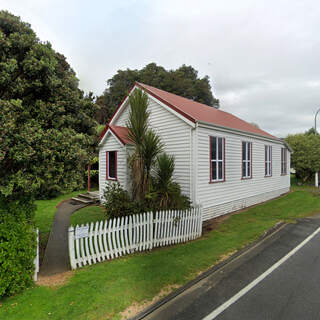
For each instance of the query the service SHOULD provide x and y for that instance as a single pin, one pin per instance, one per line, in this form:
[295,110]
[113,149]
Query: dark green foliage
[310,131]
[164,193]
[183,81]
[305,158]
[147,144]
[163,171]
[47,133]
[158,191]
[94,172]
[117,201]
[168,193]
[138,116]
[17,245]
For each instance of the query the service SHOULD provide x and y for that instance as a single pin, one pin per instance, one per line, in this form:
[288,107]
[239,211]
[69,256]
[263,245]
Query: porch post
[89,185]
[316,180]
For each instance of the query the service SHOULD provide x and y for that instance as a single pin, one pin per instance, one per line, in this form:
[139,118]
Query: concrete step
[83,200]
[94,193]
[86,196]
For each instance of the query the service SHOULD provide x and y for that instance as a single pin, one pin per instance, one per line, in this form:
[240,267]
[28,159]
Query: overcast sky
[262,57]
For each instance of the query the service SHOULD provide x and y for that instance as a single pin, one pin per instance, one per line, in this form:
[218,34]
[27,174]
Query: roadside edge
[277,227]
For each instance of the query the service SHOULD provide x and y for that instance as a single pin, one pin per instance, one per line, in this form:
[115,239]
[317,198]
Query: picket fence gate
[109,239]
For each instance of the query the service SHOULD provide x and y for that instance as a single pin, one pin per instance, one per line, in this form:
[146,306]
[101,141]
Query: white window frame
[215,162]
[268,161]
[108,165]
[246,161]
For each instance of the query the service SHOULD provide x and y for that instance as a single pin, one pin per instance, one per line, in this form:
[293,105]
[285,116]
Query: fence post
[201,212]
[71,248]
[151,230]
[36,259]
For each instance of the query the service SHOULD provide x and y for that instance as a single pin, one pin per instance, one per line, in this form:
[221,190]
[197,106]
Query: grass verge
[104,290]
[88,214]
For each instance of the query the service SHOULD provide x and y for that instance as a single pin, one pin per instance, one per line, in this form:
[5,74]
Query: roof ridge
[181,97]
[191,114]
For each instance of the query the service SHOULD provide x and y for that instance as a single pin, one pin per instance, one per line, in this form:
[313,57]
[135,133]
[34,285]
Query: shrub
[305,158]
[164,193]
[117,201]
[17,245]
[168,193]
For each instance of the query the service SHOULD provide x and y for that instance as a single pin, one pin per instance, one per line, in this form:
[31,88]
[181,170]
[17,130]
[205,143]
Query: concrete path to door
[56,256]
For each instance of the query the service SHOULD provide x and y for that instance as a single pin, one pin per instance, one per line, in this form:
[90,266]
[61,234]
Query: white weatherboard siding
[123,117]
[111,144]
[175,135]
[189,144]
[236,193]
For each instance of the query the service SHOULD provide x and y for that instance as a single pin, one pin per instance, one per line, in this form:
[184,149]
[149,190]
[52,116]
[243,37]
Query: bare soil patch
[55,280]
[136,307]
[212,224]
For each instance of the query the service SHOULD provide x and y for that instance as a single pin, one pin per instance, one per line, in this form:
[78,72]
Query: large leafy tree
[305,158]
[46,138]
[183,81]
[47,127]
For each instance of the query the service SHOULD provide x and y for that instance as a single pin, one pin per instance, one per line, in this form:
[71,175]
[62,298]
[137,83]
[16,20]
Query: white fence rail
[89,244]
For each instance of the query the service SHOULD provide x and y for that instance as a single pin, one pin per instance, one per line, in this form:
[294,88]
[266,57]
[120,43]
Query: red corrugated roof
[196,111]
[121,133]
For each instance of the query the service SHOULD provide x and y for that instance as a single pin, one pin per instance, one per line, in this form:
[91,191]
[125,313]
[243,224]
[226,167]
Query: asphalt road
[290,291]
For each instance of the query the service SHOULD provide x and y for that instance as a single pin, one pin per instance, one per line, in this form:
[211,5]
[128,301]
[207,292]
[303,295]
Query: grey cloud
[262,56]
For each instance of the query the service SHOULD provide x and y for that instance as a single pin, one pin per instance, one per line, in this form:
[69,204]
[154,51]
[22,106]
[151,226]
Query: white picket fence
[89,244]
[36,259]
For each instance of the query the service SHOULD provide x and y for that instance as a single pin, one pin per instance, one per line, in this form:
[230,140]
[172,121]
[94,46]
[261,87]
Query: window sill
[283,174]
[218,181]
[112,179]
[246,178]
[268,176]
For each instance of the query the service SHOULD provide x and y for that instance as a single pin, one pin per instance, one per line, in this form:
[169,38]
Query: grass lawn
[44,215]
[88,214]
[104,290]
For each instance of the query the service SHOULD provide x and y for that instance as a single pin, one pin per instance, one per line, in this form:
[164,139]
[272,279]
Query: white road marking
[242,292]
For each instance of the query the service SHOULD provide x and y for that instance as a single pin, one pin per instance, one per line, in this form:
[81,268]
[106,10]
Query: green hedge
[17,246]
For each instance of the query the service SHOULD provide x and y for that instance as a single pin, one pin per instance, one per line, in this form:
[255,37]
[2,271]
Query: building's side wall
[236,193]
[111,144]
[176,137]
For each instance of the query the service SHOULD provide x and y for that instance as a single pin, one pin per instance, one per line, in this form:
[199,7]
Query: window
[268,161]
[217,159]
[246,160]
[283,161]
[111,165]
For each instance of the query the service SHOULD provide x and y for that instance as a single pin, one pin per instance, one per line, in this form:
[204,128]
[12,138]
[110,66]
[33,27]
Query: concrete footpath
[56,257]
[289,292]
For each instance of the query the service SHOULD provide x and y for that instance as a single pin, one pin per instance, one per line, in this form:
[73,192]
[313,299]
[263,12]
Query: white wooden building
[221,162]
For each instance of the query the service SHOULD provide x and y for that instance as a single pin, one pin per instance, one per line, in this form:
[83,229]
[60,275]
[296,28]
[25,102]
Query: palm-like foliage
[147,144]
[138,118]
[164,192]
[163,173]
[168,192]
[151,147]
[163,170]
